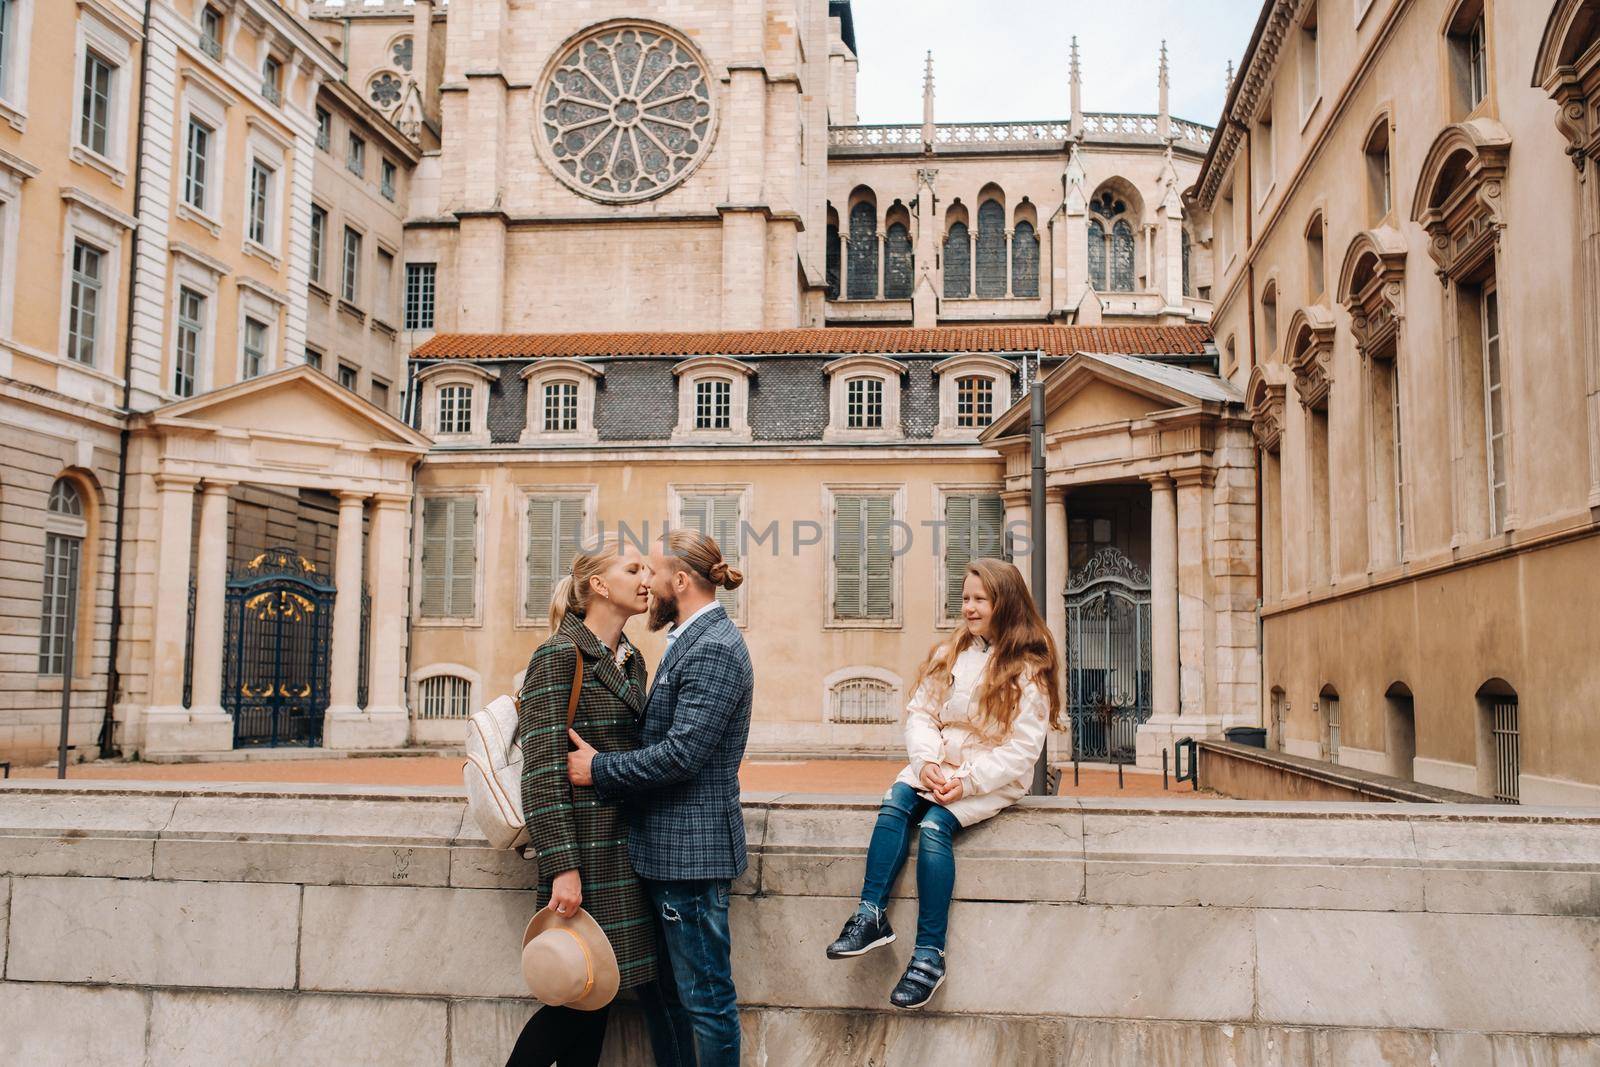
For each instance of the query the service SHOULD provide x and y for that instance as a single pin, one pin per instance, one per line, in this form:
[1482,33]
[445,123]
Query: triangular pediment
[1093,389]
[299,401]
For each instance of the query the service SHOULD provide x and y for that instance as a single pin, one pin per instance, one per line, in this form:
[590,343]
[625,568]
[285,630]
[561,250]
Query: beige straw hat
[568,961]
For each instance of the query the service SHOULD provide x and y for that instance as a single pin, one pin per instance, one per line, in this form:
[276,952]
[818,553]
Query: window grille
[863,557]
[561,407]
[864,403]
[419,295]
[1330,714]
[455,409]
[863,701]
[449,556]
[445,696]
[974,402]
[83,315]
[191,331]
[958,262]
[713,404]
[1507,750]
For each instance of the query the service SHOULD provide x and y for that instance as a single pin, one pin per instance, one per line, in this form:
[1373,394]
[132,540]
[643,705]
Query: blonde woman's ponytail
[563,600]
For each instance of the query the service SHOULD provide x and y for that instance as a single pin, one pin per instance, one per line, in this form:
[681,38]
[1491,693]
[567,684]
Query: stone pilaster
[211,588]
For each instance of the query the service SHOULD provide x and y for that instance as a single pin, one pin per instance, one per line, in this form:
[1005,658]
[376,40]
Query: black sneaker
[917,986]
[861,934]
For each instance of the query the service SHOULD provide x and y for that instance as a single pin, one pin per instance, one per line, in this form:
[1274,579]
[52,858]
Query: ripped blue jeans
[696,1016]
[903,810]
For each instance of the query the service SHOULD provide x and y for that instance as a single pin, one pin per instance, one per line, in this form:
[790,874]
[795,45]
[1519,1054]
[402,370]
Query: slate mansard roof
[637,396]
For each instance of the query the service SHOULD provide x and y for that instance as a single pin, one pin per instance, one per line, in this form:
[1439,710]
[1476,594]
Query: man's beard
[663,611]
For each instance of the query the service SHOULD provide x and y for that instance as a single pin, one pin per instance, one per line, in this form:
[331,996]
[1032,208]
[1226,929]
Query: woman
[581,843]
[983,704]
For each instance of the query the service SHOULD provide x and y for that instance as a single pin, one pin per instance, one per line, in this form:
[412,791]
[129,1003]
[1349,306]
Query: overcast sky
[1007,59]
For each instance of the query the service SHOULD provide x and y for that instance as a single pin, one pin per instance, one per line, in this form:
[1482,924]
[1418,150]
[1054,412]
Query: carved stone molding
[1372,288]
[1310,349]
[1265,400]
[1568,68]
[1461,192]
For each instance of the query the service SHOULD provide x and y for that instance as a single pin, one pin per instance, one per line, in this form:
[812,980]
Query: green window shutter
[988,527]
[541,561]
[717,517]
[849,527]
[957,550]
[463,565]
[878,592]
[569,532]
[435,554]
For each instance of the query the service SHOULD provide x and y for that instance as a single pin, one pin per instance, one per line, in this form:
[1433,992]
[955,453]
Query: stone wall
[201,924]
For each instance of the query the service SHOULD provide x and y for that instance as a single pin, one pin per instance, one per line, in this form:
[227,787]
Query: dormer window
[560,401]
[455,403]
[973,392]
[864,398]
[713,398]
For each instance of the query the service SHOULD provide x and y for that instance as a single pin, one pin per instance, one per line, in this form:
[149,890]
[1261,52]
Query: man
[686,836]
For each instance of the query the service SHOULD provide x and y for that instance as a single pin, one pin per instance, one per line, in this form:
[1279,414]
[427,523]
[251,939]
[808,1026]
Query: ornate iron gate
[279,628]
[1108,656]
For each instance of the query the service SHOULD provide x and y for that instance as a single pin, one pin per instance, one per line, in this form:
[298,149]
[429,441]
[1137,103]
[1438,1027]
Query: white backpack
[493,771]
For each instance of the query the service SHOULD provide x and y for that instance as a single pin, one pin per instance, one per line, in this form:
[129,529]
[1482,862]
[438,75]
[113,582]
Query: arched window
[1097,256]
[834,251]
[1499,742]
[863,271]
[1380,178]
[861,701]
[1401,730]
[992,249]
[1025,260]
[65,530]
[1467,37]
[1122,257]
[444,696]
[898,271]
[958,261]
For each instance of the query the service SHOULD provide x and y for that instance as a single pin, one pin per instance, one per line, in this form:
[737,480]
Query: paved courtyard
[788,776]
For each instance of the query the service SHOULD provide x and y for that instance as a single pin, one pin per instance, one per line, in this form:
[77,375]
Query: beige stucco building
[1403,202]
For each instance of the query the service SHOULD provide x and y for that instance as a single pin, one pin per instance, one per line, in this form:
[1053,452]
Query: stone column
[210,597]
[882,239]
[1018,523]
[384,723]
[1055,561]
[167,720]
[1010,290]
[346,659]
[844,266]
[1193,630]
[1162,728]
[1171,239]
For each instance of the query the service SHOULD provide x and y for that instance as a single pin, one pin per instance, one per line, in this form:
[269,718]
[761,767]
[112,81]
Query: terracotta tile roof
[1052,340]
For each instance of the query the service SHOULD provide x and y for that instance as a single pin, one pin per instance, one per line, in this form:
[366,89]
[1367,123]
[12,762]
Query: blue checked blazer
[685,820]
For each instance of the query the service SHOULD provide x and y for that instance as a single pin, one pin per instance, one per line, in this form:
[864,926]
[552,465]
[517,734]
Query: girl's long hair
[1023,651]
[573,592]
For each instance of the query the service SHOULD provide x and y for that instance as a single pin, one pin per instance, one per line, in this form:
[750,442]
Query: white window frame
[830,490]
[700,368]
[433,298]
[475,620]
[14,66]
[840,373]
[95,225]
[475,690]
[271,152]
[845,675]
[350,287]
[253,305]
[204,102]
[941,492]
[588,534]
[952,370]
[444,374]
[542,372]
[740,559]
[317,255]
[189,272]
[114,44]
[1499,517]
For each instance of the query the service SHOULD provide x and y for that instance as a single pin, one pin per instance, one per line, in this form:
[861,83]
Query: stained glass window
[626,114]
[1097,256]
[1122,257]
[384,90]
[897,265]
[1025,261]
[991,249]
[862,279]
[834,257]
[958,261]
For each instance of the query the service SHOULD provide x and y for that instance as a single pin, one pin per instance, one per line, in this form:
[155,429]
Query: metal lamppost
[1037,526]
[70,639]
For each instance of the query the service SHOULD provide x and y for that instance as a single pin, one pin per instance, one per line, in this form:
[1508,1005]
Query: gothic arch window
[1121,257]
[897,265]
[834,253]
[1025,260]
[384,91]
[863,273]
[627,112]
[991,249]
[1115,255]
[957,254]
[1097,256]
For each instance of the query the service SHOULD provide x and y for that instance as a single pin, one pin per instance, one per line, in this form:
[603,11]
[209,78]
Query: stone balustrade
[248,925]
[1098,128]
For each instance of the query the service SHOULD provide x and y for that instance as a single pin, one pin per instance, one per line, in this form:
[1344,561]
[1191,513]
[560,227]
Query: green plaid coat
[568,827]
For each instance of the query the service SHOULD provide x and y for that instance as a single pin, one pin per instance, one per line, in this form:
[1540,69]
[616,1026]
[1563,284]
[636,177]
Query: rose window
[384,90]
[627,113]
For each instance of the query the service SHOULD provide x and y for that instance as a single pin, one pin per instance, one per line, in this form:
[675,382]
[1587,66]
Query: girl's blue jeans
[903,814]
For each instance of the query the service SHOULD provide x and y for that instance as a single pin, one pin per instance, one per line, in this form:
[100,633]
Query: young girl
[982,705]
